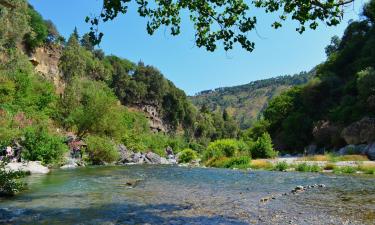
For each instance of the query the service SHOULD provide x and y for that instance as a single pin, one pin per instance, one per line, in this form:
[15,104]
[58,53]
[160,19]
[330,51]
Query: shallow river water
[176,195]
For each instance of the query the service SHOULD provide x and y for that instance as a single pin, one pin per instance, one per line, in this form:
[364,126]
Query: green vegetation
[246,102]
[263,148]
[239,162]
[225,148]
[101,150]
[345,169]
[41,145]
[187,155]
[341,93]
[9,181]
[223,23]
[281,166]
[304,167]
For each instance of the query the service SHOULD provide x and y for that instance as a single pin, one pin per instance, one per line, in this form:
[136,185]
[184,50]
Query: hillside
[52,87]
[246,102]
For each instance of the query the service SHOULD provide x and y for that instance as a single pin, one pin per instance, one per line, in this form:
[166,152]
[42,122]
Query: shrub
[187,155]
[281,166]
[263,148]
[304,167]
[345,169]
[9,180]
[101,150]
[240,162]
[40,145]
[224,148]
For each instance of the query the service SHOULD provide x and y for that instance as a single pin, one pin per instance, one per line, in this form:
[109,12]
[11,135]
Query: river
[177,195]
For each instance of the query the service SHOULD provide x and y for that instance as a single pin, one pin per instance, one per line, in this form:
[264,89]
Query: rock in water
[33,167]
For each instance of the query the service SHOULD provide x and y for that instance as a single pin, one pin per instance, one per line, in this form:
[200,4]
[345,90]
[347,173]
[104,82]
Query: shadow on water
[113,214]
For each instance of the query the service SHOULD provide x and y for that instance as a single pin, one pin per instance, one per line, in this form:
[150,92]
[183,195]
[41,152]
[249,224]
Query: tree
[333,46]
[39,29]
[53,33]
[222,21]
[87,43]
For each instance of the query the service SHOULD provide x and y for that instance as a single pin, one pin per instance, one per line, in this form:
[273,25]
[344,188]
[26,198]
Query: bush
[187,155]
[240,162]
[224,148]
[304,167]
[263,148]
[345,169]
[281,166]
[40,145]
[9,180]
[101,150]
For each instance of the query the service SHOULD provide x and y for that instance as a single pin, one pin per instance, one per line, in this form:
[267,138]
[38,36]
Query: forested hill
[245,102]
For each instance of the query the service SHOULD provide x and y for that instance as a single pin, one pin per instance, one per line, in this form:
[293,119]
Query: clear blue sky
[193,69]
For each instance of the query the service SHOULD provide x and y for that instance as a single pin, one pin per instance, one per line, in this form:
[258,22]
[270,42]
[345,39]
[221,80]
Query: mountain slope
[245,102]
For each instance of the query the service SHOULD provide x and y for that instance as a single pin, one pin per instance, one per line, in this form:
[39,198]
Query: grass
[315,158]
[345,169]
[261,164]
[281,166]
[367,169]
[352,158]
[304,167]
[334,158]
[240,162]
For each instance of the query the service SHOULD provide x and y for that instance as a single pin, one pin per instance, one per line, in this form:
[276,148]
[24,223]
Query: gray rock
[126,156]
[33,167]
[349,149]
[153,158]
[362,131]
[370,151]
[164,161]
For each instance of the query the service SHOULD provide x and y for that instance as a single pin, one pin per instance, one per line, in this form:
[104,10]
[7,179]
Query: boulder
[370,151]
[362,131]
[33,167]
[153,158]
[164,161]
[326,134]
[126,156]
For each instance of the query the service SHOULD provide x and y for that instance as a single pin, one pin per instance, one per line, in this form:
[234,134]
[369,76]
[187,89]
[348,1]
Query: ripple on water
[175,195]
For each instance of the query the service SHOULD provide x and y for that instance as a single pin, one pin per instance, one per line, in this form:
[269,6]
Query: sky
[277,52]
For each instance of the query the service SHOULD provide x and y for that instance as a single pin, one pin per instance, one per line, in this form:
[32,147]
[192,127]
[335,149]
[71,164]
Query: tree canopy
[220,21]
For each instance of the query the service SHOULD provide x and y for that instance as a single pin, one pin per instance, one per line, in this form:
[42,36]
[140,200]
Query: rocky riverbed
[165,194]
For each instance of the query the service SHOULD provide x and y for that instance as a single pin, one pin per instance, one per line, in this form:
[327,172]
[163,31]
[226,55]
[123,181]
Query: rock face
[46,62]
[360,132]
[326,133]
[33,167]
[155,121]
